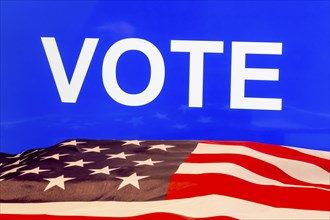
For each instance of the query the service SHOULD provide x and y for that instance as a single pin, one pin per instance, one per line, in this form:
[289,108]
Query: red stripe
[191,185]
[153,216]
[253,164]
[279,151]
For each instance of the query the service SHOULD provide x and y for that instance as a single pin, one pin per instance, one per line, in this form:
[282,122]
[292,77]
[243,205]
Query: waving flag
[165,180]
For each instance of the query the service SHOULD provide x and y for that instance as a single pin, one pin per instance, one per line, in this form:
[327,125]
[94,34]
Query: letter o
[157,72]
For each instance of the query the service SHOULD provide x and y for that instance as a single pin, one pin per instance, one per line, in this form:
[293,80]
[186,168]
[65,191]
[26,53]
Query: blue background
[32,114]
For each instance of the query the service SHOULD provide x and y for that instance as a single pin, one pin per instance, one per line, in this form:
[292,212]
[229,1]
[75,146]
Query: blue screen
[34,115]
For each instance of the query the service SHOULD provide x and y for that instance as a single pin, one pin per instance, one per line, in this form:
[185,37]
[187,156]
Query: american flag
[112,179]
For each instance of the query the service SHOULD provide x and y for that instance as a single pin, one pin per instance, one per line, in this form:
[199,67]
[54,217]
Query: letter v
[69,91]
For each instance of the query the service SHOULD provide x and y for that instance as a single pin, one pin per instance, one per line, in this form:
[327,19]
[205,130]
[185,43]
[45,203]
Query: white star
[104,170]
[74,142]
[160,147]
[121,155]
[94,149]
[16,156]
[36,170]
[58,181]
[15,163]
[134,142]
[12,170]
[54,156]
[78,163]
[132,179]
[148,162]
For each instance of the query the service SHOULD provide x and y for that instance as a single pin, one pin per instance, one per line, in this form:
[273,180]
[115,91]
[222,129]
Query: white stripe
[233,170]
[316,153]
[198,207]
[298,169]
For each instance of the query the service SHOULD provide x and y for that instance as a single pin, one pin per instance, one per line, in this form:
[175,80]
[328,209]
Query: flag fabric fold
[117,179]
